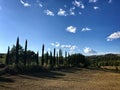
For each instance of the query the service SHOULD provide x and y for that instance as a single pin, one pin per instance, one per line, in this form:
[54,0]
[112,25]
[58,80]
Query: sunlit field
[68,79]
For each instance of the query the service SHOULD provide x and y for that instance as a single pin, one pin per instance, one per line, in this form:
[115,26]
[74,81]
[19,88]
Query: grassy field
[69,79]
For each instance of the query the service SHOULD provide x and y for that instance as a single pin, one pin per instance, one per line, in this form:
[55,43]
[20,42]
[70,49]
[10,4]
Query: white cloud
[95,7]
[82,6]
[39,3]
[115,35]
[71,29]
[65,46]
[88,50]
[48,12]
[25,4]
[62,12]
[73,47]
[56,44]
[109,1]
[72,11]
[78,4]
[86,29]
[93,1]
[70,47]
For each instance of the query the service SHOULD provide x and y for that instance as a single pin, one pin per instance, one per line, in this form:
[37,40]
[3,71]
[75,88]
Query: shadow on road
[4,79]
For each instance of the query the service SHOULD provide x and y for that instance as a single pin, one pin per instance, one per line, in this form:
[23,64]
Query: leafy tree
[31,57]
[77,59]
[13,54]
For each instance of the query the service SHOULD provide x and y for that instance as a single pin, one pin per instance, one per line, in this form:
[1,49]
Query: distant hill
[110,55]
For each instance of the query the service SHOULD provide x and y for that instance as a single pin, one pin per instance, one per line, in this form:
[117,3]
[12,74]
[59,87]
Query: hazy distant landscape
[59,45]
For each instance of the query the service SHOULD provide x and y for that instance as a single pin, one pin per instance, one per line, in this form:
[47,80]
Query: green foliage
[25,53]
[46,58]
[8,56]
[60,57]
[31,57]
[42,60]
[37,59]
[22,57]
[105,60]
[51,60]
[54,57]
[76,59]
[17,52]
[13,54]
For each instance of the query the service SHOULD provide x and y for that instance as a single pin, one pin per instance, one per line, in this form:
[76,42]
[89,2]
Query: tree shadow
[70,69]
[45,75]
[4,79]
[52,74]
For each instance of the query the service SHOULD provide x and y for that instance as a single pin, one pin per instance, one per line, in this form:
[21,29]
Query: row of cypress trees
[51,60]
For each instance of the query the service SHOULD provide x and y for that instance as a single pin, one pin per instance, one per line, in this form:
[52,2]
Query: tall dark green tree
[54,58]
[69,60]
[42,60]
[17,52]
[37,59]
[57,60]
[8,56]
[65,59]
[51,60]
[25,53]
[60,57]
[46,58]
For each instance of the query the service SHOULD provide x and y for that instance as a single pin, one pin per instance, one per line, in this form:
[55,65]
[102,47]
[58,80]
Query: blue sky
[82,26]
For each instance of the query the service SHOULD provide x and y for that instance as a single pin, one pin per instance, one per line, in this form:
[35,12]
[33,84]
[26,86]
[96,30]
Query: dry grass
[75,79]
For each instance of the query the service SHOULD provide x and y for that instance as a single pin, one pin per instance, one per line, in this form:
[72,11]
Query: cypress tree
[25,53]
[37,59]
[69,60]
[46,58]
[54,60]
[17,52]
[42,61]
[60,57]
[65,60]
[8,56]
[57,60]
[51,62]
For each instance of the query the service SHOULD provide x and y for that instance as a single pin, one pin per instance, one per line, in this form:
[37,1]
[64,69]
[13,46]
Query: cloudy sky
[82,26]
